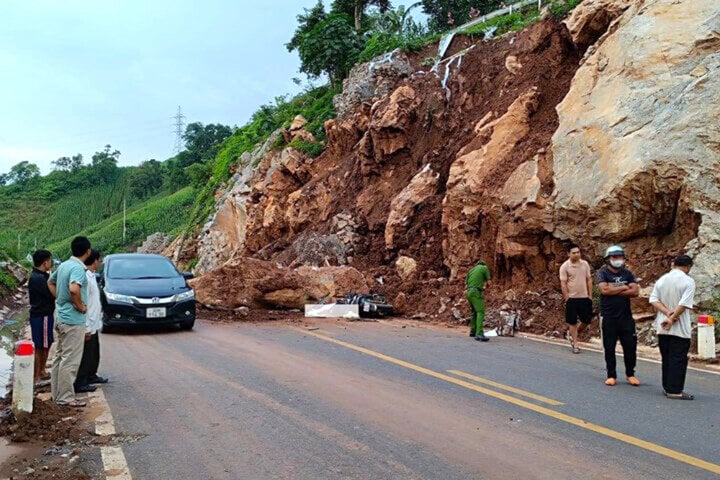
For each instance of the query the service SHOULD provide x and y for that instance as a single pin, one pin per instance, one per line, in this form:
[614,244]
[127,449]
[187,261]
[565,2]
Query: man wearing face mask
[617,286]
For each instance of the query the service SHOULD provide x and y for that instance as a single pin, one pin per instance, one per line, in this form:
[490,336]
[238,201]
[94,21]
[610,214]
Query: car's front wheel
[187,325]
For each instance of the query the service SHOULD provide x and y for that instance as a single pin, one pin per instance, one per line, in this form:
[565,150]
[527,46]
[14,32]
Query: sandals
[633,381]
[680,396]
[74,404]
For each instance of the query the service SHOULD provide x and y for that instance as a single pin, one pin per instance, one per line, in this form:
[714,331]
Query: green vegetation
[506,23]
[6,281]
[164,214]
[311,149]
[560,8]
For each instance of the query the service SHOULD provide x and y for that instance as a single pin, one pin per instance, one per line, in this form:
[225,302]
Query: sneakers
[610,382]
[472,333]
[633,381]
[482,338]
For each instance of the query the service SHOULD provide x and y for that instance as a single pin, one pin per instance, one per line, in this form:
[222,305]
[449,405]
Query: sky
[76,75]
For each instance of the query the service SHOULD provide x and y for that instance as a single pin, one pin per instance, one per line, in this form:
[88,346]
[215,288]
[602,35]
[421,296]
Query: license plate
[158,312]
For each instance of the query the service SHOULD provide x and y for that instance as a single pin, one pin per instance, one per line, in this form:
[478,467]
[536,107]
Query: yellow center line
[502,386]
[629,439]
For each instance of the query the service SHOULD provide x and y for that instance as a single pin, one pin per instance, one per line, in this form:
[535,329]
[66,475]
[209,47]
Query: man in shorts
[576,285]
[42,307]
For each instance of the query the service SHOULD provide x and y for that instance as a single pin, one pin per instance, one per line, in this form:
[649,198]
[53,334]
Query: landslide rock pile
[602,129]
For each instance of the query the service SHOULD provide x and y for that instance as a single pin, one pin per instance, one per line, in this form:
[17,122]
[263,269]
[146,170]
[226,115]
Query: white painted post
[22,394]
[706,341]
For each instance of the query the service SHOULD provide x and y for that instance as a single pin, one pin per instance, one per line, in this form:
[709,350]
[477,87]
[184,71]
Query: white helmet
[614,251]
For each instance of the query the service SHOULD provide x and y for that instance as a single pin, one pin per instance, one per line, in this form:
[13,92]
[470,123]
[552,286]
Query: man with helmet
[617,286]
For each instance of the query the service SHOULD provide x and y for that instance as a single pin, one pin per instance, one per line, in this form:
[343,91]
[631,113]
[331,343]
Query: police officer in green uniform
[477,279]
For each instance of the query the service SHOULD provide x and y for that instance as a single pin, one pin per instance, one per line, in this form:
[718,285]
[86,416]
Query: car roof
[138,256]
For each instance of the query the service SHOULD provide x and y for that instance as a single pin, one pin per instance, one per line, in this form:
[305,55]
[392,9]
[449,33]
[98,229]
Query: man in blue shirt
[617,286]
[69,285]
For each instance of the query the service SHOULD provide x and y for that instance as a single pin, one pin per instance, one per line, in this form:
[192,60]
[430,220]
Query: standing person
[87,372]
[673,298]
[42,307]
[69,285]
[477,279]
[576,285]
[617,285]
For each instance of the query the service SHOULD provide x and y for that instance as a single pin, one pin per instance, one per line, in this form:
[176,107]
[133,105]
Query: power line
[179,125]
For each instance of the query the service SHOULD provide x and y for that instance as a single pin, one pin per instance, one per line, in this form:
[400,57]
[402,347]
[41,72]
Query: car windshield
[140,268]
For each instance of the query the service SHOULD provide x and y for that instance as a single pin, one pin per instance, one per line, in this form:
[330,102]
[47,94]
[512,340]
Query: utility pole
[124,219]
[179,130]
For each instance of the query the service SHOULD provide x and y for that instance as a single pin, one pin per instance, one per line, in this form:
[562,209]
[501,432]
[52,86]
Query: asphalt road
[379,401]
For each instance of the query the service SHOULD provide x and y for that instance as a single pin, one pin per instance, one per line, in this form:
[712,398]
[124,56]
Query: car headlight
[189,295]
[115,297]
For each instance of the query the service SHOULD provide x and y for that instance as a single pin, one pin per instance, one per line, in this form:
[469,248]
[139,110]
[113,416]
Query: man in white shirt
[673,298]
[87,373]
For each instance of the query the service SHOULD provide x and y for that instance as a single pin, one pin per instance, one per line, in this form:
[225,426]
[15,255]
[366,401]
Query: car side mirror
[188,275]
[99,279]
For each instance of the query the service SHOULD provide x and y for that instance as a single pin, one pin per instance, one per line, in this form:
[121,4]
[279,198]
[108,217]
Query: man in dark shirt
[617,285]
[42,307]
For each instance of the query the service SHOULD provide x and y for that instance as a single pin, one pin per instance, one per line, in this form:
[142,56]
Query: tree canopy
[437,11]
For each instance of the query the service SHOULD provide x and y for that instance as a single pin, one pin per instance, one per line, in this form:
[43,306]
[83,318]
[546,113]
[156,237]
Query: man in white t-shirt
[87,373]
[673,298]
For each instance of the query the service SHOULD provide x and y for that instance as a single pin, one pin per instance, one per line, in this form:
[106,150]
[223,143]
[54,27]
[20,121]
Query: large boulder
[636,152]
[591,19]
[249,282]
[466,202]
[402,208]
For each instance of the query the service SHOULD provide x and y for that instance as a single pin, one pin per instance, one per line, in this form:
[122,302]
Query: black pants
[623,329]
[674,351]
[90,361]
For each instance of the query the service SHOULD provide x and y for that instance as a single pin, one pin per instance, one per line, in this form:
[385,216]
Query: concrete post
[24,363]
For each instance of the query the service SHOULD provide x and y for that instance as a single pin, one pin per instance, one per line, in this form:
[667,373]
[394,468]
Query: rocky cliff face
[602,130]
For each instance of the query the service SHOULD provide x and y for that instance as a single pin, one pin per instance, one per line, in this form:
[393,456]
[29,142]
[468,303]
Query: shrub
[311,149]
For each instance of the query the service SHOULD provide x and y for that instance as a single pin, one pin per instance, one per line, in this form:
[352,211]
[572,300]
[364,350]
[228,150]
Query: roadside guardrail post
[24,364]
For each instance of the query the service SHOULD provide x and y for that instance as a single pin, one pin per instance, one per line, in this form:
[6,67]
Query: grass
[6,281]
[166,214]
[311,149]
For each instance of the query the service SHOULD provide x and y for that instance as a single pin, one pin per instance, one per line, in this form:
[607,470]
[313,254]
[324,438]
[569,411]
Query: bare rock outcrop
[155,243]
[637,151]
[370,80]
[402,208]
[591,19]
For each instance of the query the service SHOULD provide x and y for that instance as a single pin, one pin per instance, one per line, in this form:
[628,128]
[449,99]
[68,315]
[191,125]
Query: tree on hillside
[356,9]
[147,179]
[202,141]
[306,22]
[3,179]
[104,165]
[22,173]
[398,22]
[331,47]
[68,164]
[438,10]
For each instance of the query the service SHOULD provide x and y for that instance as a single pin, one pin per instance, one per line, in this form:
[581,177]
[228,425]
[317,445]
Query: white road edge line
[116,467]
[114,464]
[649,360]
